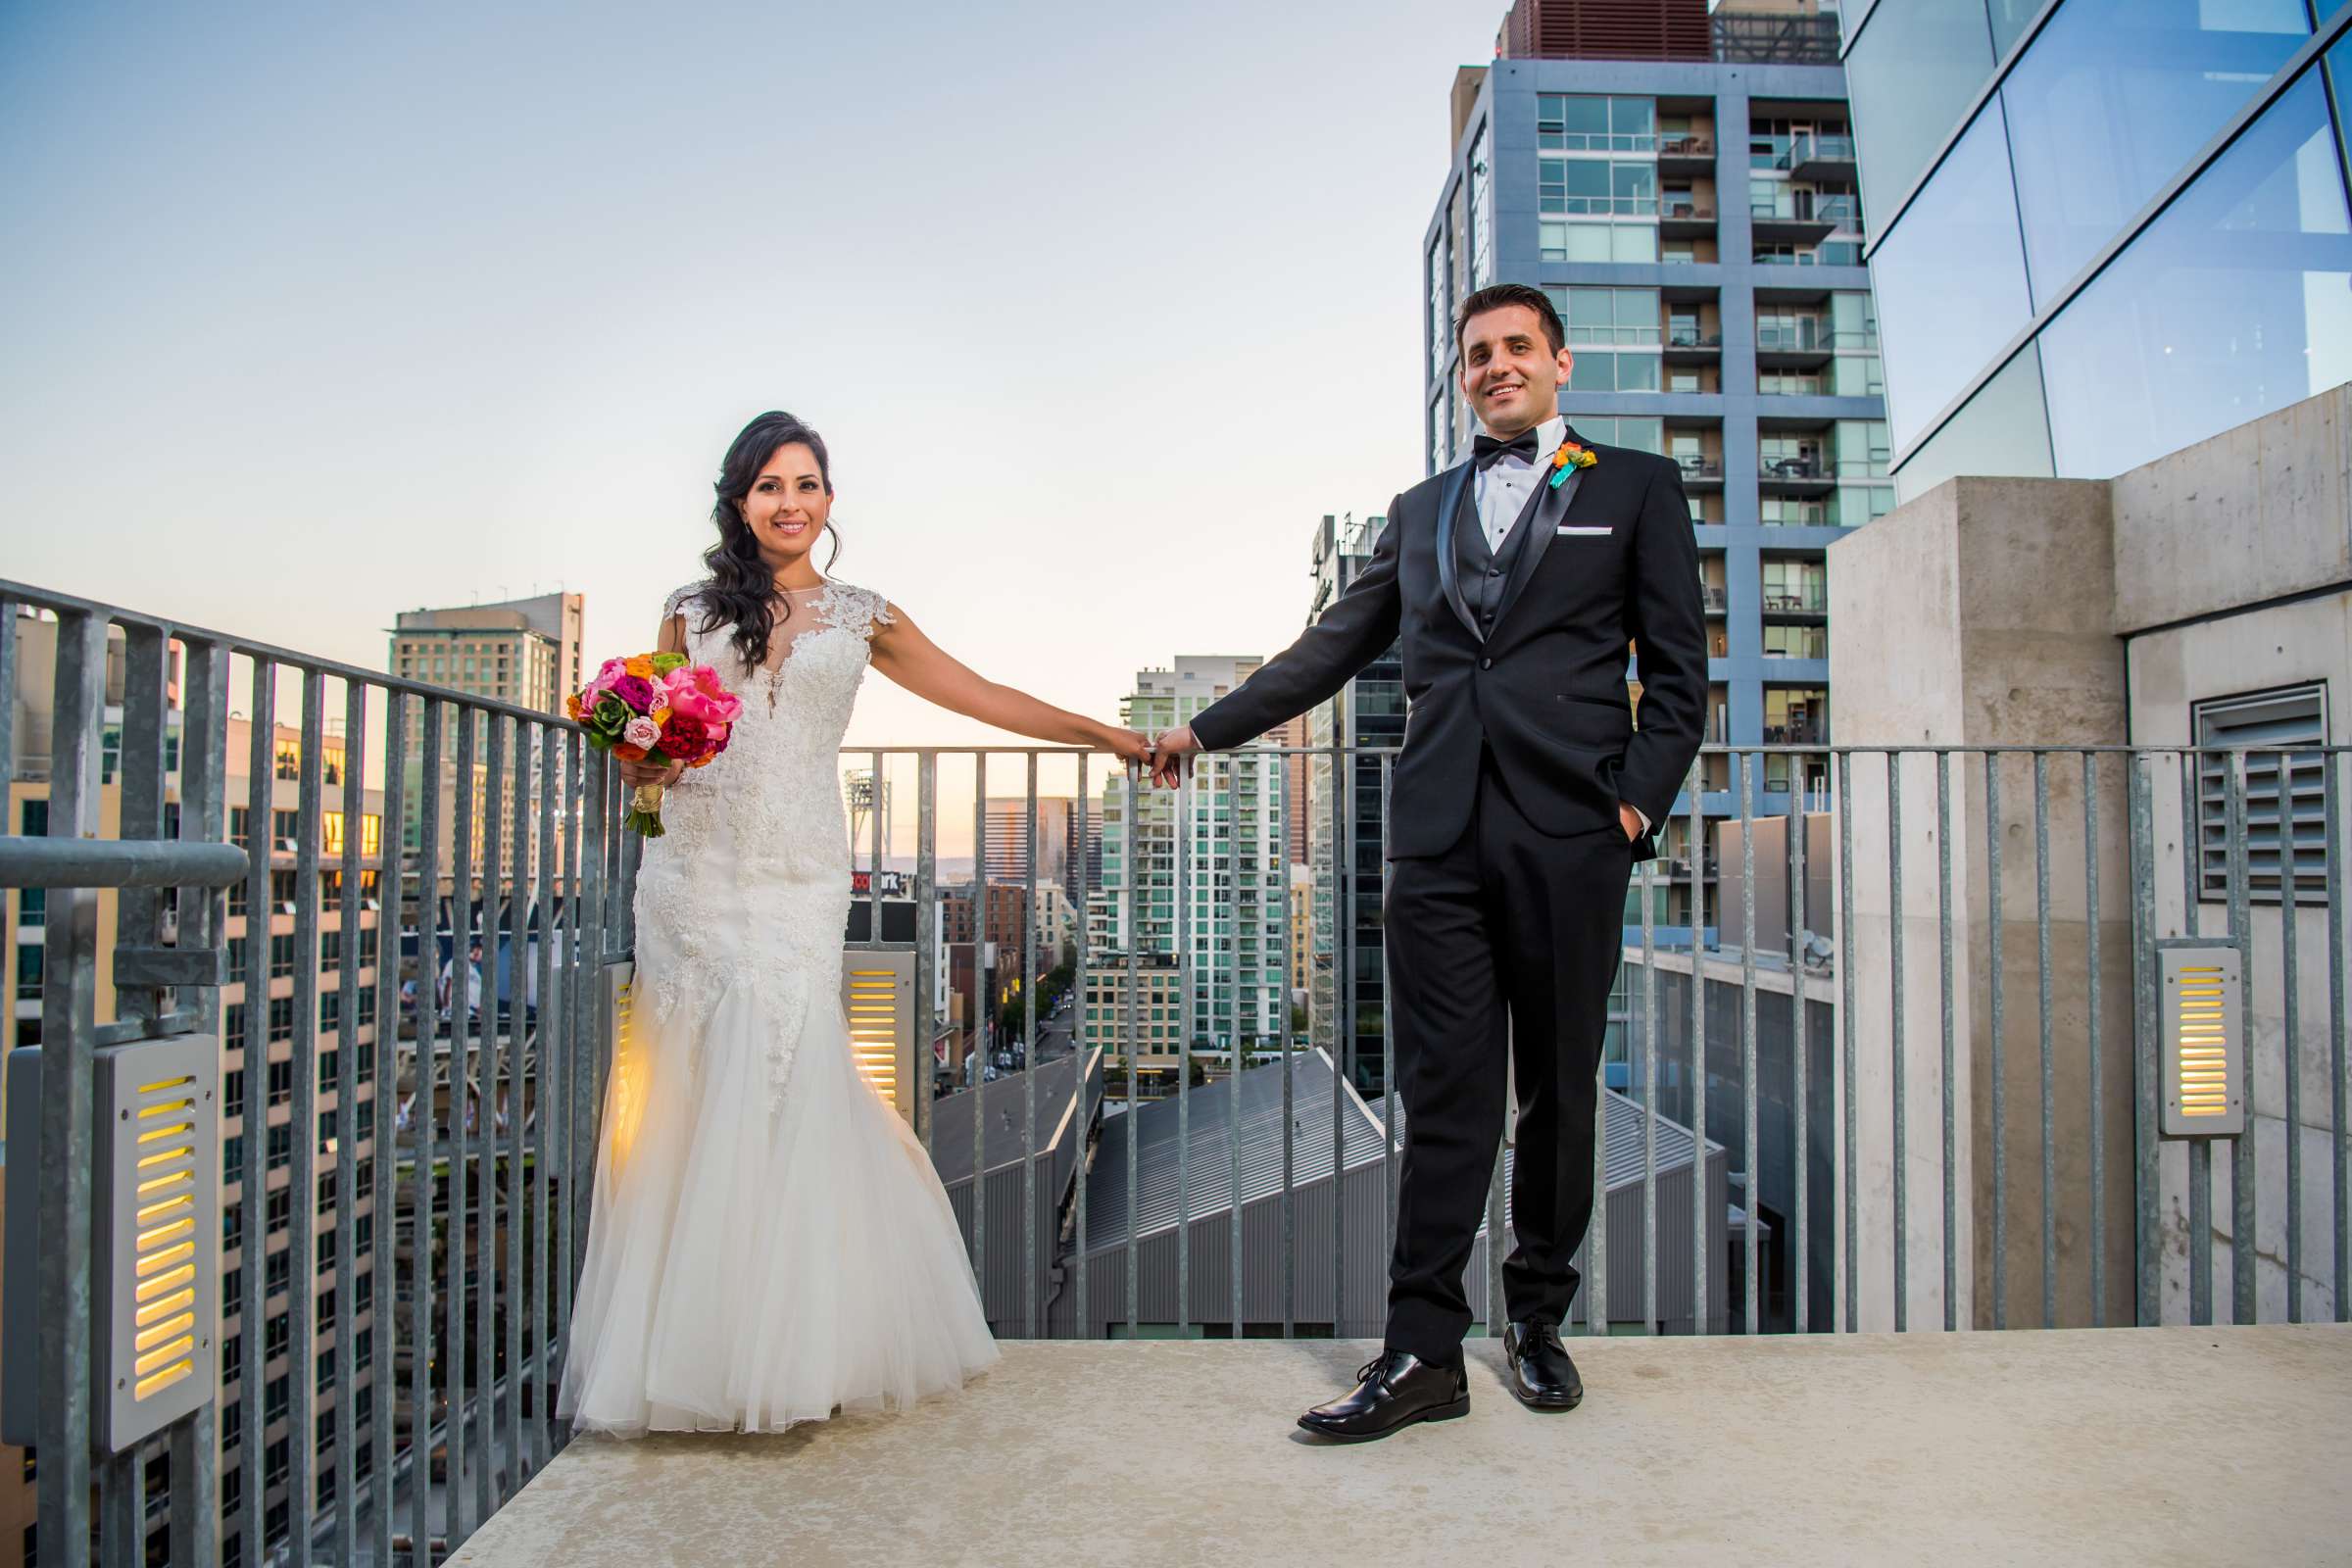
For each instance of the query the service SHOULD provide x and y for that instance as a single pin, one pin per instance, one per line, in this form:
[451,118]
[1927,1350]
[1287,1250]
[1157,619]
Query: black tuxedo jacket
[1610,559]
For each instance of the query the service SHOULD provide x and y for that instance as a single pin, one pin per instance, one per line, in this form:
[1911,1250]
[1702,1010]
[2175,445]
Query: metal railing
[1804,1133]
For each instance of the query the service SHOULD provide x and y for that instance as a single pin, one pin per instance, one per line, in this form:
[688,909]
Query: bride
[769,1243]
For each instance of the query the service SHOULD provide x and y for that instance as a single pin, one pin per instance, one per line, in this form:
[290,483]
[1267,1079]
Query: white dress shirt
[1504,484]
[1501,491]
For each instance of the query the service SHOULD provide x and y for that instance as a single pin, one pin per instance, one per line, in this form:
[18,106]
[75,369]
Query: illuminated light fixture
[877,1002]
[2203,1040]
[155,1216]
[630,1067]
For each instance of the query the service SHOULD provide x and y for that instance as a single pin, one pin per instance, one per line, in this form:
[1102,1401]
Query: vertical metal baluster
[303,1182]
[1995,920]
[873,883]
[2050,1087]
[927,940]
[195,1528]
[2244,1238]
[1798,1019]
[121,1507]
[2146,1243]
[457,1519]
[347,1121]
[1950,1007]
[138,922]
[1895,934]
[517,973]
[69,1010]
[420,1124]
[1750,766]
[982,1019]
[1847,1228]
[2290,983]
[1343,785]
[1649,1098]
[2339,1068]
[544,1053]
[1029,1041]
[1388,1165]
[2200,1151]
[572,996]
[383,1148]
[1701,1318]
[491,1063]
[1135,1025]
[583,1074]
[1246,766]
[1082,1038]
[1290,1047]
[1184,1054]
[2095,946]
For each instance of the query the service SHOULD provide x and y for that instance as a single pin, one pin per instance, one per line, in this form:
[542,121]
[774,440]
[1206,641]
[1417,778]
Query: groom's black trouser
[1509,924]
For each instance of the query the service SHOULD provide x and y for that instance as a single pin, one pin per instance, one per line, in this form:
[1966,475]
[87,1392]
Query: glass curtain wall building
[1698,224]
[2106,229]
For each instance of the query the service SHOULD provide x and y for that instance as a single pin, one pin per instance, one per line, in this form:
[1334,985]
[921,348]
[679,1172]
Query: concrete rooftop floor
[2120,1446]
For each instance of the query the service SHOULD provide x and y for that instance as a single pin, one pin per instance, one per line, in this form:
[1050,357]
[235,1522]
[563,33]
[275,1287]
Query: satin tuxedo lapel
[1457,493]
[1551,506]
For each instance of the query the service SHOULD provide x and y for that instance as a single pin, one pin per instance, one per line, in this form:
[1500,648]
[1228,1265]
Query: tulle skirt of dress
[749,1268]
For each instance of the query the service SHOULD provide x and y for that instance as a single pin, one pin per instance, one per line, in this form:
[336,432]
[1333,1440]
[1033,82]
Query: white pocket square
[1567,531]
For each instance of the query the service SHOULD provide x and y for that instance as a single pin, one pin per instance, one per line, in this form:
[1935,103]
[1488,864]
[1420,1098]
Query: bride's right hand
[649,772]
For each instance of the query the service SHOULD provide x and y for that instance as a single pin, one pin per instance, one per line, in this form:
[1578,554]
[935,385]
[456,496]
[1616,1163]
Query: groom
[1521,800]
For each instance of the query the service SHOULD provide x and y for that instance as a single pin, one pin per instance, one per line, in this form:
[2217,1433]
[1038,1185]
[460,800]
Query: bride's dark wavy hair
[741,590]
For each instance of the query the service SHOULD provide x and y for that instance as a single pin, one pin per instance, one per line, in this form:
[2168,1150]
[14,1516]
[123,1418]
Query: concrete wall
[2234,575]
[1980,614]
[2065,613]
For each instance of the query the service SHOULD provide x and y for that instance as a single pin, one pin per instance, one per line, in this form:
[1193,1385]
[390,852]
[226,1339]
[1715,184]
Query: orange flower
[629,754]
[701,761]
[571,706]
[641,667]
[660,716]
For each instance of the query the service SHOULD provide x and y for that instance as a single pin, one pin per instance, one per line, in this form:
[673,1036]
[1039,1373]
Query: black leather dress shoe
[1542,1378]
[1394,1390]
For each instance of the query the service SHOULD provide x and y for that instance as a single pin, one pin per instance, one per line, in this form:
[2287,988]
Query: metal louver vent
[2203,1043]
[2286,795]
[877,996]
[158,1206]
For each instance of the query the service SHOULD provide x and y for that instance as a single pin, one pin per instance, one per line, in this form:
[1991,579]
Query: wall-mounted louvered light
[156,1206]
[877,994]
[629,1087]
[2203,1041]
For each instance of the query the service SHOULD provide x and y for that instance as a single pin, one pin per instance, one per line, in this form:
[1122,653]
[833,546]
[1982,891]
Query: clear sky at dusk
[315,314]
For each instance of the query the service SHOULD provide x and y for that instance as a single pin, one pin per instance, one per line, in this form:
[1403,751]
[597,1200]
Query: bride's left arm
[902,653]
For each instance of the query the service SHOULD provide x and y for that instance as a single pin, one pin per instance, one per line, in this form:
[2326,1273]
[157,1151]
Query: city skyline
[495,348]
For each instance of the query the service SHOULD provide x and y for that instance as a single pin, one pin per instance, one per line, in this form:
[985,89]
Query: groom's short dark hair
[1495,296]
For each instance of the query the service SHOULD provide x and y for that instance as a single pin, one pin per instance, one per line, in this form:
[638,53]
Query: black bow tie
[1486,451]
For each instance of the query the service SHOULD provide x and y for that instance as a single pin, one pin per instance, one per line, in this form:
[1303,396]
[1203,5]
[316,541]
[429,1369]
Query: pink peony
[608,674]
[694,691]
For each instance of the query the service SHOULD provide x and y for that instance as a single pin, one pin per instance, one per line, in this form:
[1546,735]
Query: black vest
[1486,573]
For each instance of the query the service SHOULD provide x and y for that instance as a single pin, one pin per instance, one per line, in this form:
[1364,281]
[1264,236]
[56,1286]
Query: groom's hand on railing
[1171,756]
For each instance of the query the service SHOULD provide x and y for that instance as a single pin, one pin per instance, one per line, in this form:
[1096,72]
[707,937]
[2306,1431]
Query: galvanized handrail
[1810,1068]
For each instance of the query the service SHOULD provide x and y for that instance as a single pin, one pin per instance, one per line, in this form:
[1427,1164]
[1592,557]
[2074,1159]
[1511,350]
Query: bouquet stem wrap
[644,814]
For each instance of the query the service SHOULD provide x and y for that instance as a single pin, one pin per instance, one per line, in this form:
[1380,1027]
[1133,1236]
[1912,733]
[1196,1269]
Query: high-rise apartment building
[2103,229]
[1682,187]
[1235,878]
[1346,809]
[524,650]
[1060,855]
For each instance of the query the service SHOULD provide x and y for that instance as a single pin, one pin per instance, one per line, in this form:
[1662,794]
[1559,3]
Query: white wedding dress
[769,1243]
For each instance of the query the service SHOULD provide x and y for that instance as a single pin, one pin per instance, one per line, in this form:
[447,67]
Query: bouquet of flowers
[657,706]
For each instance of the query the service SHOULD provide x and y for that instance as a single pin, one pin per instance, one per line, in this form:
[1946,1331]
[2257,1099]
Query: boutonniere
[1568,460]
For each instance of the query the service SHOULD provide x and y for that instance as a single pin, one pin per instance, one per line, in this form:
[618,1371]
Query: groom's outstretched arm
[1357,629]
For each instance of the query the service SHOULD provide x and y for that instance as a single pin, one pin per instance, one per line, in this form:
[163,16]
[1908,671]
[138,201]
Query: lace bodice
[751,881]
